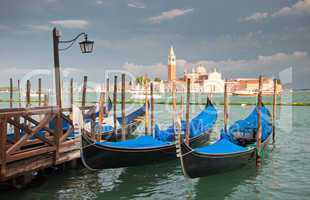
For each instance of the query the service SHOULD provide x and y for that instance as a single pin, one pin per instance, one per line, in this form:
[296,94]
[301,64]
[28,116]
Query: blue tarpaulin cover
[229,143]
[137,143]
[221,146]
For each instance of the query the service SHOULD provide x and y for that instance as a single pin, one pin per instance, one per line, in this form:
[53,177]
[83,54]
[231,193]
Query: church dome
[201,70]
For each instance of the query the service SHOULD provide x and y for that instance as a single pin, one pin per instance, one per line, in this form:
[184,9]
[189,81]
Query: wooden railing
[32,135]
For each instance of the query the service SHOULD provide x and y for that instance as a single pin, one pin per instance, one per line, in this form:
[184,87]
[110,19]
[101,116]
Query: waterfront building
[171,65]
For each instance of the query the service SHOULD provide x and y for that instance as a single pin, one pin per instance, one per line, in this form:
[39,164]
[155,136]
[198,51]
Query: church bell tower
[171,65]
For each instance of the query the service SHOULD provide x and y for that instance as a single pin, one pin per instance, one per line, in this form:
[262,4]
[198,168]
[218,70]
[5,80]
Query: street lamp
[86,46]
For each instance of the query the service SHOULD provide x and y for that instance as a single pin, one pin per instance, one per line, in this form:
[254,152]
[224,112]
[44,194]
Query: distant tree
[142,80]
[157,79]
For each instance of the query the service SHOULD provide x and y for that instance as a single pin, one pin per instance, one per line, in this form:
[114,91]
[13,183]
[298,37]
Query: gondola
[146,149]
[235,148]
[107,132]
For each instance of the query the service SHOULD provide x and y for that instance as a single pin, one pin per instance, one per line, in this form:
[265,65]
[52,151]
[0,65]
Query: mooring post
[45,100]
[274,110]
[101,114]
[19,96]
[58,125]
[114,105]
[3,136]
[84,91]
[39,90]
[107,93]
[28,89]
[146,127]
[152,108]
[259,128]
[225,107]
[188,98]
[123,109]
[71,92]
[11,92]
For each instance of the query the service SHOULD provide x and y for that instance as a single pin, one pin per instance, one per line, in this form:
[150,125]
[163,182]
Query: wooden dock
[32,146]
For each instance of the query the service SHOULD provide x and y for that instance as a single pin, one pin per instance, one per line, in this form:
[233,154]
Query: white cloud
[99,2]
[71,23]
[136,4]
[301,7]
[256,16]
[169,15]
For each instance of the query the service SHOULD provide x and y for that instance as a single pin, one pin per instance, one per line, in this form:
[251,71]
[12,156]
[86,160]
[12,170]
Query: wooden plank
[16,129]
[30,153]
[11,112]
[3,135]
[188,98]
[123,108]
[30,133]
[36,123]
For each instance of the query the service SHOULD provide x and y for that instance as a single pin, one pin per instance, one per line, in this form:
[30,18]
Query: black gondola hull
[199,165]
[105,157]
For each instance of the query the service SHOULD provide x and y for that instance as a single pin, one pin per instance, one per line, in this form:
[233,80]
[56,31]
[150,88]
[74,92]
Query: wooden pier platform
[31,140]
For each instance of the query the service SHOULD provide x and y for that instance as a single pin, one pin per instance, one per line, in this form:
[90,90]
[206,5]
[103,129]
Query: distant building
[214,83]
[171,65]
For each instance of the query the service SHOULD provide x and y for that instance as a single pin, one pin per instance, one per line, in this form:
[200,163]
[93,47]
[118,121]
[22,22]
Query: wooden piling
[152,108]
[19,96]
[71,92]
[3,136]
[225,106]
[84,91]
[114,105]
[259,128]
[101,111]
[28,93]
[45,100]
[188,98]
[274,110]
[123,108]
[146,127]
[11,92]
[39,90]
[58,119]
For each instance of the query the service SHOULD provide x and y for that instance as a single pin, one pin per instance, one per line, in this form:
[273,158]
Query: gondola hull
[195,164]
[104,157]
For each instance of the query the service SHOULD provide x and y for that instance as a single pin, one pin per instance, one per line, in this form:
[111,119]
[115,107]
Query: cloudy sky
[240,38]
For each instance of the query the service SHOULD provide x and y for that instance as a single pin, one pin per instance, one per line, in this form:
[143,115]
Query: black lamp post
[86,47]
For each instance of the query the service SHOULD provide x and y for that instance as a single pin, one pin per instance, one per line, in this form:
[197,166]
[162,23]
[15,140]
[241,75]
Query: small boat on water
[146,149]
[235,148]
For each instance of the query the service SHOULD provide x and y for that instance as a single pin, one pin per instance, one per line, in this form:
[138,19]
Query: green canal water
[285,173]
